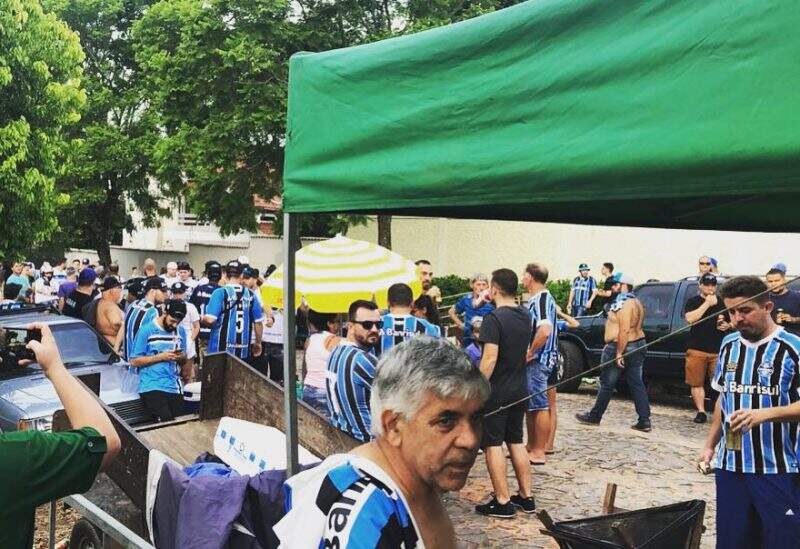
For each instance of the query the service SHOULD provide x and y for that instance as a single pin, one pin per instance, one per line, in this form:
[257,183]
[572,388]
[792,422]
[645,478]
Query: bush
[560,291]
[452,287]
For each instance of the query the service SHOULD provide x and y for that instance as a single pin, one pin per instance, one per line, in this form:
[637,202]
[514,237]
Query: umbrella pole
[290,238]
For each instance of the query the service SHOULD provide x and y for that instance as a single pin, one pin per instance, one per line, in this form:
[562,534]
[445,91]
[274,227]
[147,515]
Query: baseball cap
[249,272]
[583,267]
[626,279]
[233,268]
[46,267]
[87,276]
[85,261]
[244,260]
[109,283]
[154,283]
[134,285]
[780,267]
[175,308]
[179,288]
[708,279]
[213,270]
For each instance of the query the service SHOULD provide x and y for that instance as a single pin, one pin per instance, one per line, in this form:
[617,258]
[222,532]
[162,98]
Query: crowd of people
[423,405]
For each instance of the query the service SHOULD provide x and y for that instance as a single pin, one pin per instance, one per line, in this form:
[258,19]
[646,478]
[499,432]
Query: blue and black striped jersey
[138,313]
[582,288]
[235,309]
[542,308]
[757,375]
[201,295]
[348,383]
[399,328]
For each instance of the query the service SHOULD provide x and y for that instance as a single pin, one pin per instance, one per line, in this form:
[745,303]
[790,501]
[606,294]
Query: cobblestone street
[650,469]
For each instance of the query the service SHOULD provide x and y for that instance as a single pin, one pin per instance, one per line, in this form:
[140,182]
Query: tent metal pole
[290,239]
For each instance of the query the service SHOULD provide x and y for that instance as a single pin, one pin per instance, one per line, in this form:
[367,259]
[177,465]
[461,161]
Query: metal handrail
[106,523]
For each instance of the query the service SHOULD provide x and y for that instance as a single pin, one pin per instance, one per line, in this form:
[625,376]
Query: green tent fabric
[670,113]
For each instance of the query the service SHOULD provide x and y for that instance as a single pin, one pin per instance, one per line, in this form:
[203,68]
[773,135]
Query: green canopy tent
[660,113]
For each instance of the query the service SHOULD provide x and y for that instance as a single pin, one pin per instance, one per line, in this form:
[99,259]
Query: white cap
[626,279]
[172,265]
[244,260]
[46,268]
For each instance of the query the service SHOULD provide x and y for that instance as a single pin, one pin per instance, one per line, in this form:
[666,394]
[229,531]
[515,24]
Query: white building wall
[458,246]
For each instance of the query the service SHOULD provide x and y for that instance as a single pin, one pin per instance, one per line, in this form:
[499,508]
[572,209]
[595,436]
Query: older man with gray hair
[426,407]
[472,305]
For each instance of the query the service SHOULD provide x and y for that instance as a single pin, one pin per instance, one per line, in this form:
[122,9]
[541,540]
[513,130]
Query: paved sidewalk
[650,469]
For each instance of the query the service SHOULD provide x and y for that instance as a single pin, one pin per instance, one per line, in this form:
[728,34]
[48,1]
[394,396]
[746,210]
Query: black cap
[109,283]
[708,279]
[213,270]
[179,288]
[175,308]
[184,266]
[135,285]
[233,268]
[249,272]
[85,261]
[154,283]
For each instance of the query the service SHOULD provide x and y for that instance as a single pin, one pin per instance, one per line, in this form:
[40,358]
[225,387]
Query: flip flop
[550,452]
[537,462]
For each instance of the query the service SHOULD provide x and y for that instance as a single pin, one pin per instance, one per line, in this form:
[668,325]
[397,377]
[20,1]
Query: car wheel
[570,364]
[84,536]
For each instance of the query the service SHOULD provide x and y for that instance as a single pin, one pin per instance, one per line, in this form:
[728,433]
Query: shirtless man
[109,315]
[625,352]
[388,492]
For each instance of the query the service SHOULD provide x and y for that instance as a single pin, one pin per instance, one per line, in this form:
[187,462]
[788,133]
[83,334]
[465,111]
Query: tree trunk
[104,253]
[385,231]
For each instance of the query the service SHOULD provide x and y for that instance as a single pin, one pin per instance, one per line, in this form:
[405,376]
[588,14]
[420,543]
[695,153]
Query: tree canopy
[40,97]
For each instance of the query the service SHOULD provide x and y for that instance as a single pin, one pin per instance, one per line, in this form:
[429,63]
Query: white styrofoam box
[191,391]
[250,448]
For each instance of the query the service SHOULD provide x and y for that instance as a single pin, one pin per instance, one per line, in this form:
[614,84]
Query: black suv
[664,303]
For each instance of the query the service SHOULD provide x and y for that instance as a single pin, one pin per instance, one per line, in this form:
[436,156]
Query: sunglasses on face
[368,324]
[705,263]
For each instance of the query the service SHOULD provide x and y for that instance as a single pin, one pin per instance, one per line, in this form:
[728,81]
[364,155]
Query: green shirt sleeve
[37,467]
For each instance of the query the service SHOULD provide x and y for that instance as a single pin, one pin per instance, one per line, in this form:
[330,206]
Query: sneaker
[495,509]
[526,505]
[642,426]
[587,418]
[700,417]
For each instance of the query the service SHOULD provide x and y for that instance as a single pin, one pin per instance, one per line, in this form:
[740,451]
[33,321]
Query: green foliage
[40,96]
[216,76]
[321,225]
[452,287]
[111,161]
[216,72]
[560,291]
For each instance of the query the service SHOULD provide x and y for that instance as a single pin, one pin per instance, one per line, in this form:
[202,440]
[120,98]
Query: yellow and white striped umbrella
[331,274]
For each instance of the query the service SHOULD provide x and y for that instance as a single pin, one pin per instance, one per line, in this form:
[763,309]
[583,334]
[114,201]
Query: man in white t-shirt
[171,276]
[185,276]
[191,322]
[43,292]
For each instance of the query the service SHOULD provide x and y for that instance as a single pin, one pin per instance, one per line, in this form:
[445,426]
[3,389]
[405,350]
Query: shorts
[699,367]
[164,406]
[316,398]
[504,426]
[537,373]
[757,510]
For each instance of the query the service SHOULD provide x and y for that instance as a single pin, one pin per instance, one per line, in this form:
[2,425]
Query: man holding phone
[159,349]
[36,466]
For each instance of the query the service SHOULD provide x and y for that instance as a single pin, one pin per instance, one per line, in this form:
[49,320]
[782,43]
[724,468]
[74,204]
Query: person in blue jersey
[470,306]
[426,402]
[753,437]
[581,292]
[159,351]
[201,295]
[624,353]
[232,312]
[400,324]
[141,312]
[542,362]
[351,370]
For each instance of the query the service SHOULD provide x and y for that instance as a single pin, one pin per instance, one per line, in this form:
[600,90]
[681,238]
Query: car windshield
[79,344]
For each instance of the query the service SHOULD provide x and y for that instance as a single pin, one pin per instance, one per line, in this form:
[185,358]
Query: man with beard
[159,349]
[753,435]
[351,370]
[425,273]
[426,404]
